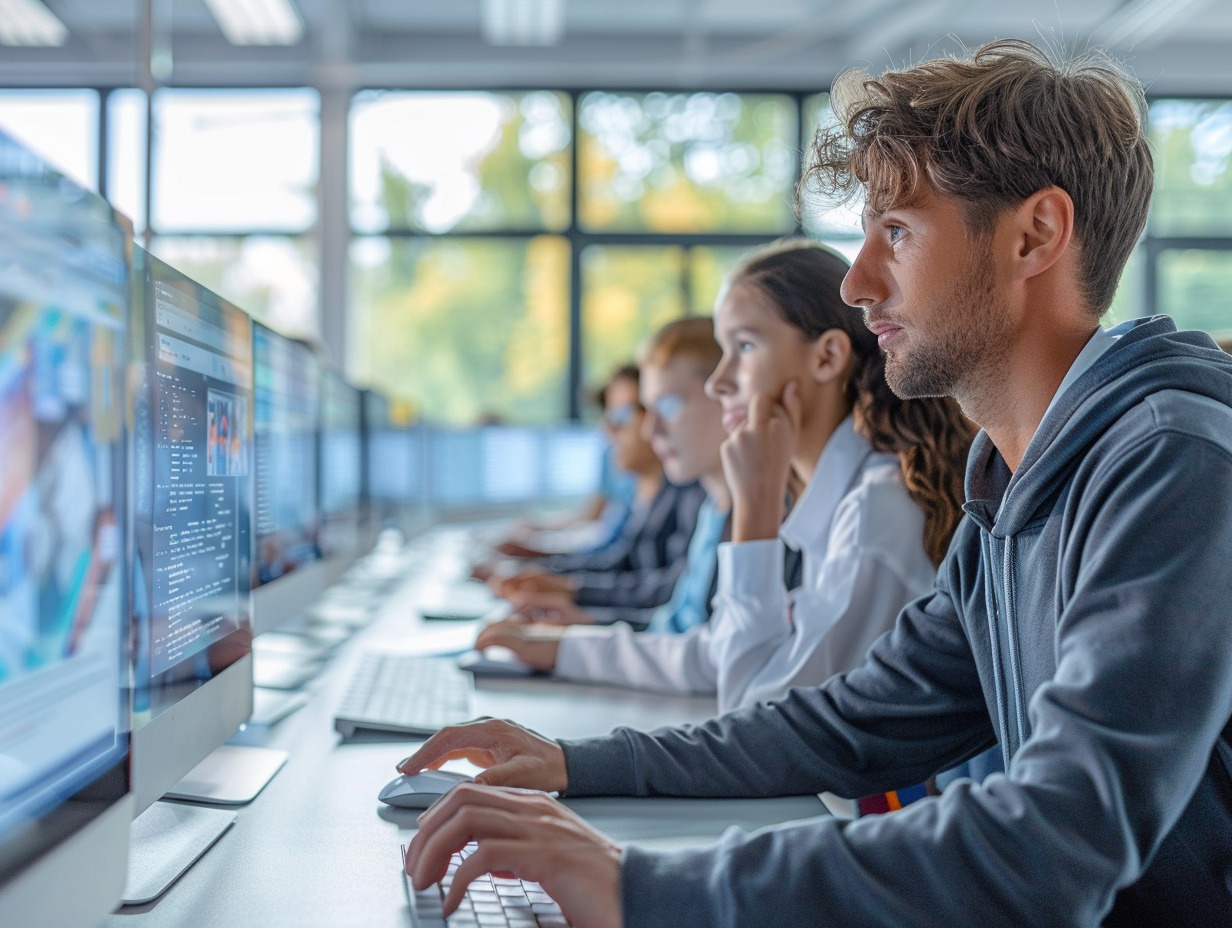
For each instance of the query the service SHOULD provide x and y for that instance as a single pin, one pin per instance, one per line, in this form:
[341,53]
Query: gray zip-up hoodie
[1083,618]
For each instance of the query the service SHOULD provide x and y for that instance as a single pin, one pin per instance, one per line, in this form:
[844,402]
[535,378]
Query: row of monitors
[165,463]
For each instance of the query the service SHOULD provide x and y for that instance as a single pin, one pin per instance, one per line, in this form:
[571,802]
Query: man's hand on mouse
[526,834]
[513,755]
[535,645]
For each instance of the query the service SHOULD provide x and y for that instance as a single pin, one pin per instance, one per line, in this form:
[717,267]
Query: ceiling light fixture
[258,22]
[523,22]
[29,22]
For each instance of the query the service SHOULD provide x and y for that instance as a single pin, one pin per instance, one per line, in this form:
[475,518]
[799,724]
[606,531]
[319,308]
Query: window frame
[1152,243]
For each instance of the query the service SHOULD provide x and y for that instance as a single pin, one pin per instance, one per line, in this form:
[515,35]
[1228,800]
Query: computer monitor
[396,475]
[288,570]
[511,464]
[192,504]
[64,800]
[341,474]
[572,460]
[374,419]
[455,467]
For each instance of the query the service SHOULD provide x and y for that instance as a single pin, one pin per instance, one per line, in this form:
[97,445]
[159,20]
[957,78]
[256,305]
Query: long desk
[316,847]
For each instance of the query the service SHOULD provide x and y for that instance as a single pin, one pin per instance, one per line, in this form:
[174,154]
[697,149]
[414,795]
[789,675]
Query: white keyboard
[490,902]
[406,694]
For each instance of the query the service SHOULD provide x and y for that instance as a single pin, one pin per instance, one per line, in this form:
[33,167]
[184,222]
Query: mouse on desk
[420,790]
[496,661]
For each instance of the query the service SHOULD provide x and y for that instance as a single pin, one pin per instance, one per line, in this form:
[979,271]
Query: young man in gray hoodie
[1083,617]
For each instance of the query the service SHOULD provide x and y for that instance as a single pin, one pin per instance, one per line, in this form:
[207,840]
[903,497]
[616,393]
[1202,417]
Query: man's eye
[895,233]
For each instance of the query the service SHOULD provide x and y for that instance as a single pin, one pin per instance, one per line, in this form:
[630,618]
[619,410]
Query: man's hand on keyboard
[536,645]
[550,608]
[513,755]
[524,833]
[533,581]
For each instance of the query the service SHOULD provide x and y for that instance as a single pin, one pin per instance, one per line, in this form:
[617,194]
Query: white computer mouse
[495,661]
[420,790]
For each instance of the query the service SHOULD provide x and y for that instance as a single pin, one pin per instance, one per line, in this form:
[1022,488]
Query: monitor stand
[169,837]
[230,775]
[164,841]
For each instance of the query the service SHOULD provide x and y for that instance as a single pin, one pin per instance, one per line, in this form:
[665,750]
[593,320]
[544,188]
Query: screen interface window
[63,305]
[287,408]
[196,533]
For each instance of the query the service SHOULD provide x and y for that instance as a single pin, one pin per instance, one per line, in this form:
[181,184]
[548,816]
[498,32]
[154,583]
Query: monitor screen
[456,467]
[193,490]
[341,465]
[287,407]
[572,460]
[64,297]
[395,468]
[511,464]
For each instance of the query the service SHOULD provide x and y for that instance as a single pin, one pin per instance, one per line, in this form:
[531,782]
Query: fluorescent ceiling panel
[28,22]
[523,22]
[258,22]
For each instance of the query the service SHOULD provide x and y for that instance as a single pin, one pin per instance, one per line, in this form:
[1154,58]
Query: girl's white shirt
[862,541]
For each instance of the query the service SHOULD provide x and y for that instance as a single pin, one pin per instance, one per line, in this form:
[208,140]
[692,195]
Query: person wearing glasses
[638,572]
[684,427]
[800,394]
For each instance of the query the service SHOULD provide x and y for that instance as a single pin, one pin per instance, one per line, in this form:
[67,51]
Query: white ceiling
[736,44]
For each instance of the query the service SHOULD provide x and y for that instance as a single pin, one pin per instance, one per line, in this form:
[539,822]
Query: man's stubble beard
[976,337]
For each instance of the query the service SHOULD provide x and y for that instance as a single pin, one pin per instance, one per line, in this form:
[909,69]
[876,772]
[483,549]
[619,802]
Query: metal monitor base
[164,841]
[231,775]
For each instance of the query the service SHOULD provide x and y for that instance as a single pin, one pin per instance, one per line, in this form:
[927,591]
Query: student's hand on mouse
[536,645]
[512,755]
[550,609]
[526,834]
[757,462]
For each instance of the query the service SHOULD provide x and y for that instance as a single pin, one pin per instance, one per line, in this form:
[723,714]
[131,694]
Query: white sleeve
[763,645]
[749,619]
[642,660]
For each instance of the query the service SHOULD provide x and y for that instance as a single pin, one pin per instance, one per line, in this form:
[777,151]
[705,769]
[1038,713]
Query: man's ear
[830,355]
[1042,227]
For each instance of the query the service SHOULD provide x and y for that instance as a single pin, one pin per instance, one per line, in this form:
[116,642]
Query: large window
[272,278]
[536,283]
[233,201]
[127,153]
[700,162]
[443,162]
[508,248]
[1190,230]
[468,330]
[61,125]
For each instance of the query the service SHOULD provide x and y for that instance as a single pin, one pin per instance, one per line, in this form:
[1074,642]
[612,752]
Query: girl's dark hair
[930,437]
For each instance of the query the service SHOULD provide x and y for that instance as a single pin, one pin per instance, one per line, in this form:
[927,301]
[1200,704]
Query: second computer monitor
[341,475]
[288,569]
[192,513]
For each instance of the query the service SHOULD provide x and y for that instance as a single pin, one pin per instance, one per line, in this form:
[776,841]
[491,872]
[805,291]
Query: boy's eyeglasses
[667,407]
[617,417]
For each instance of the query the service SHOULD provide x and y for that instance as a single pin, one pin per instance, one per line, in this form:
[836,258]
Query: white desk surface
[316,847]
